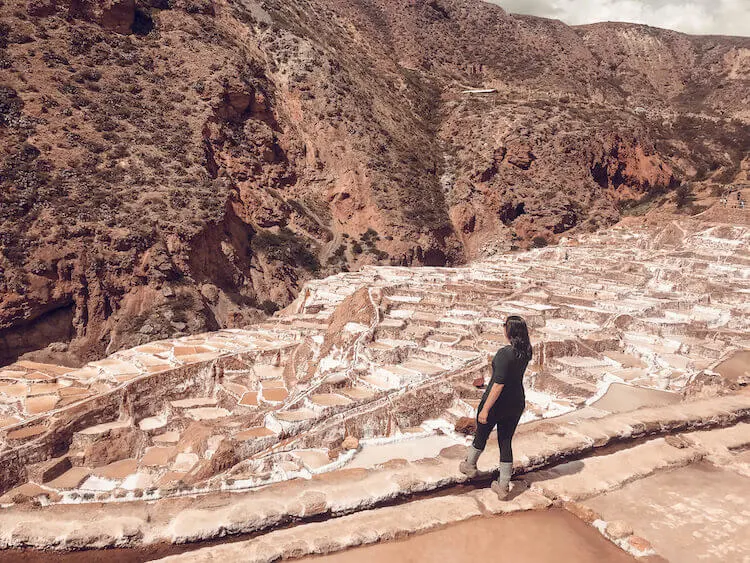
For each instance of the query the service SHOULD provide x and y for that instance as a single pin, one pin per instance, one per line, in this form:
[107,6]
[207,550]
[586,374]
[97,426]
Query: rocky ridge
[172,167]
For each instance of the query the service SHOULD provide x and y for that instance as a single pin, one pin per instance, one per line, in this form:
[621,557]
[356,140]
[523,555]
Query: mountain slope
[182,165]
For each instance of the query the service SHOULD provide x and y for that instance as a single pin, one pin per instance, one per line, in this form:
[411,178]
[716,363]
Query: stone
[466,425]
[457,451]
[678,441]
[582,511]
[313,503]
[382,524]
[350,443]
[58,347]
[617,529]
[195,438]
[210,292]
[640,544]
[52,496]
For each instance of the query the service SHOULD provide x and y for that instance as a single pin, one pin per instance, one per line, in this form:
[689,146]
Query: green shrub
[269,307]
[370,236]
[285,247]
[683,195]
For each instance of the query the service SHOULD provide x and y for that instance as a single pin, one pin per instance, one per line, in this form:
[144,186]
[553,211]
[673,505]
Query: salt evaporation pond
[410,449]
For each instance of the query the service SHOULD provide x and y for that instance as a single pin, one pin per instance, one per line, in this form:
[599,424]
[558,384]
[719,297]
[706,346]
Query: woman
[502,404]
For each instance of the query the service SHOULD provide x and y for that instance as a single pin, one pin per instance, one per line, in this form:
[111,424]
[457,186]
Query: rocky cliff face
[173,166]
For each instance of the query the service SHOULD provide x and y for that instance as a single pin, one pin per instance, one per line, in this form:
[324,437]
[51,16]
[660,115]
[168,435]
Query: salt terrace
[333,405]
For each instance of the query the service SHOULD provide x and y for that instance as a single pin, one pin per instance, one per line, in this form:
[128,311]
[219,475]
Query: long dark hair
[518,335]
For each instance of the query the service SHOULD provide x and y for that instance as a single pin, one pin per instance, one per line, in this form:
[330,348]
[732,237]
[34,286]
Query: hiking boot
[469,466]
[501,485]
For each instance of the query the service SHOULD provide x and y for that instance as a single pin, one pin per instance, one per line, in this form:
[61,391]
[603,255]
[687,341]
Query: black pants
[506,427]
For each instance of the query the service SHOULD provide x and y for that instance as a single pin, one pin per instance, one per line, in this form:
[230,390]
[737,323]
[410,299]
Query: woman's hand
[482,417]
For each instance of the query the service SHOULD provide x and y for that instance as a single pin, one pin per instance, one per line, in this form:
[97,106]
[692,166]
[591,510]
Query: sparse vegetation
[683,195]
[285,247]
[144,139]
[368,243]
[338,257]
[269,307]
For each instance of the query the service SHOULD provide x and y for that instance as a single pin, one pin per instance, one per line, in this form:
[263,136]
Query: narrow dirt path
[330,247]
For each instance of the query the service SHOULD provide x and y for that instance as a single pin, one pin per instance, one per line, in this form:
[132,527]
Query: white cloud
[724,17]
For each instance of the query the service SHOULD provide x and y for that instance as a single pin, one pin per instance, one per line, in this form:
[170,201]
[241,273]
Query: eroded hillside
[174,166]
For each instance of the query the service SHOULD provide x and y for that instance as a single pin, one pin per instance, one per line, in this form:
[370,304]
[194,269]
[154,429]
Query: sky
[721,17]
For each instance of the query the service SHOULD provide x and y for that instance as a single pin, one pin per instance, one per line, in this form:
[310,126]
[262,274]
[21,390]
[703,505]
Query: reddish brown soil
[514,537]
[174,167]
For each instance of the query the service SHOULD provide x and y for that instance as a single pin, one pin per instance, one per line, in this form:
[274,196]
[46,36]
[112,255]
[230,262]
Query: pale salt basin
[95,483]
[736,367]
[621,398]
[313,459]
[152,423]
[550,405]
[207,413]
[410,449]
[138,481]
[185,462]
